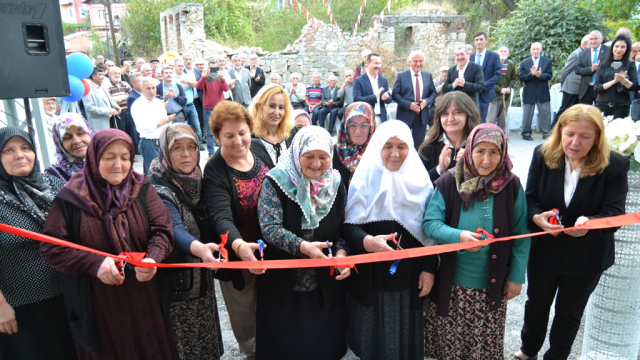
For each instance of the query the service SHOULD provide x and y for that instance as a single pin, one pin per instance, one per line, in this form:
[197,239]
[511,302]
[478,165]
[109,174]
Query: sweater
[212,92]
[616,94]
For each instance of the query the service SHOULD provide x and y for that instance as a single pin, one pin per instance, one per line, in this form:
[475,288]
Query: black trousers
[589,97]
[198,104]
[571,293]
[124,122]
[618,111]
[568,100]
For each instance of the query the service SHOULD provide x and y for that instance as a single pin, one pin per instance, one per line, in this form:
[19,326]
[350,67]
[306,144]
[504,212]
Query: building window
[71,12]
[82,12]
[102,14]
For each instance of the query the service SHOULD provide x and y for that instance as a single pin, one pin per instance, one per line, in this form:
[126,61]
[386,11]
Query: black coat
[473,81]
[535,89]
[430,156]
[617,94]
[256,85]
[596,196]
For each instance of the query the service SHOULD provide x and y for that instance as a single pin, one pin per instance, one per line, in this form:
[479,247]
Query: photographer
[213,86]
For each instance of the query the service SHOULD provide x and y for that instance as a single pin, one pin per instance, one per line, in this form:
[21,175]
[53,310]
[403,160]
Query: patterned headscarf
[187,186]
[90,192]
[67,164]
[470,184]
[31,191]
[301,112]
[314,196]
[349,152]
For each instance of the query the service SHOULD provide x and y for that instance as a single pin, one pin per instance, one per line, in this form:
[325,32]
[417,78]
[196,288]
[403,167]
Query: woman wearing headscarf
[387,198]
[353,137]
[33,324]
[301,119]
[176,176]
[71,137]
[111,208]
[469,308]
[301,209]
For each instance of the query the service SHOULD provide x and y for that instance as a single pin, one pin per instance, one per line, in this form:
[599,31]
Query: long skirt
[43,333]
[301,329]
[471,331]
[387,330]
[197,326]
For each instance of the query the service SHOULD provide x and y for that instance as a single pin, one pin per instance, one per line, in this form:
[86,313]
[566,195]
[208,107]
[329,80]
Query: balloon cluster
[79,67]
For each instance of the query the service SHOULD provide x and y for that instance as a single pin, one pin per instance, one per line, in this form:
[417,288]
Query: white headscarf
[378,194]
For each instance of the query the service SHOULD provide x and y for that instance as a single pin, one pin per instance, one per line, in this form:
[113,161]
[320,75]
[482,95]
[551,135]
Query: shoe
[516,357]
[203,148]
[527,137]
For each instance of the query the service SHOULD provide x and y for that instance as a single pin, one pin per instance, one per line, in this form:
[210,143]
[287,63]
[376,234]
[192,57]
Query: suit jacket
[256,85]
[473,81]
[492,70]
[404,95]
[181,99]
[338,98]
[568,77]
[133,96]
[362,91]
[507,81]
[584,67]
[535,89]
[97,105]
[596,196]
[242,89]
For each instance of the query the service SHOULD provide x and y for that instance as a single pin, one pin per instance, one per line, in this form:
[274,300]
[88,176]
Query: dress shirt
[174,105]
[300,94]
[146,115]
[413,82]
[482,56]
[461,72]
[535,62]
[192,75]
[190,92]
[374,85]
[571,179]
[596,53]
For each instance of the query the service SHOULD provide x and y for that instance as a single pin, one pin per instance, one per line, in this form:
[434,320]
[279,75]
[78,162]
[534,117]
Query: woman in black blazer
[616,79]
[231,183]
[578,173]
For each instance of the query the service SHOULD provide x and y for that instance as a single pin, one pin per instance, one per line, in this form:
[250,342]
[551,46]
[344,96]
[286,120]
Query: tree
[558,24]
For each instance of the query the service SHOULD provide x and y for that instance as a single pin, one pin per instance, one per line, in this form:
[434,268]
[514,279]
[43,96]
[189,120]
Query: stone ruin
[321,48]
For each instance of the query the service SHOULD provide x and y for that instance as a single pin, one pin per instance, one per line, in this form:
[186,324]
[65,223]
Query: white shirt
[461,72]
[535,62]
[413,82]
[571,179]
[482,56]
[146,115]
[374,85]
[191,75]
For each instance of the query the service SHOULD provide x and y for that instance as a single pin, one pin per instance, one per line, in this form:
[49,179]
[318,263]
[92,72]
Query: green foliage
[346,11]
[275,27]
[480,14]
[613,9]
[97,45]
[142,26]
[558,24]
[69,28]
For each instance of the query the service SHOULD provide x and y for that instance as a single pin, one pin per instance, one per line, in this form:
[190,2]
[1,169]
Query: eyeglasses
[361,126]
[192,149]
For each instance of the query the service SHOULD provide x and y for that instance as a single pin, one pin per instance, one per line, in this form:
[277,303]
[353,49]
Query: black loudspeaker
[33,63]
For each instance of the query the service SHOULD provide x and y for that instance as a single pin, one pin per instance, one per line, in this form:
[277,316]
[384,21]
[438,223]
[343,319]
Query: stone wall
[320,48]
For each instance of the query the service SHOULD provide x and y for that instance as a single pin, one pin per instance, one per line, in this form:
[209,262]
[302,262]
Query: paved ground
[520,152]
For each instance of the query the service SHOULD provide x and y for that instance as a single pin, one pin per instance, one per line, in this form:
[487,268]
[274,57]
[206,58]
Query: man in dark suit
[332,101]
[589,61]
[570,80]
[373,88]
[136,91]
[173,94]
[535,73]
[466,76]
[257,75]
[415,93]
[491,68]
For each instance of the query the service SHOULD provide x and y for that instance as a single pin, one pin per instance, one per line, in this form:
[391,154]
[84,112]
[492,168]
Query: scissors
[394,266]
[261,249]
[120,265]
[557,219]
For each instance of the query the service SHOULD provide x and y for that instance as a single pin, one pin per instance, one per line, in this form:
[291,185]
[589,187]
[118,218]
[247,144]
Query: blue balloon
[77,89]
[79,65]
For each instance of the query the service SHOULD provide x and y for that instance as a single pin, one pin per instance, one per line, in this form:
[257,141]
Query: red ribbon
[223,251]
[347,261]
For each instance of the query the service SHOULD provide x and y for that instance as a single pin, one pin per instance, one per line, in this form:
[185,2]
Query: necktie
[593,61]
[479,59]
[417,88]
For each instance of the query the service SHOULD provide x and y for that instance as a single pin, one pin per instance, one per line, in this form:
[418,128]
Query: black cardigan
[220,197]
[260,144]
[345,174]
[617,94]
[430,156]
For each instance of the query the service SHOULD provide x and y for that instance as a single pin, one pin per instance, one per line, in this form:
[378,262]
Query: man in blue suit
[492,69]
[535,73]
[373,88]
[412,109]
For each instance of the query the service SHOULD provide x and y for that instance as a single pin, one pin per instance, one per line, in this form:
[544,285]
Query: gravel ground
[520,152]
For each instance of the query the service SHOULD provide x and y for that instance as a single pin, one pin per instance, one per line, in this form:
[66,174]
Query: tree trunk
[510,4]
[114,41]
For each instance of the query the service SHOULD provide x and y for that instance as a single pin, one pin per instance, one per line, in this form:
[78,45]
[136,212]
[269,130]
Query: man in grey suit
[570,80]
[98,104]
[587,66]
[242,89]
[332,101]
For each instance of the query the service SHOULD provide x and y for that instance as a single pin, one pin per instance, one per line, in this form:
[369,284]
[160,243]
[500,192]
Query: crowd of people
[277,185]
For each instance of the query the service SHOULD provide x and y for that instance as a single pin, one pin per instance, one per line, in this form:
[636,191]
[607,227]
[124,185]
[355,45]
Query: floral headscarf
[161,171]
[314,196]
[67,164]
[470,184]
[349,152]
